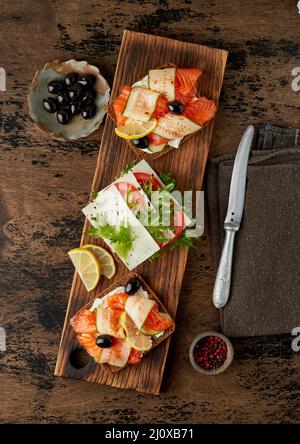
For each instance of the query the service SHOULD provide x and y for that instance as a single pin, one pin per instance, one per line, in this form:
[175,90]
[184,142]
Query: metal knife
[233,218]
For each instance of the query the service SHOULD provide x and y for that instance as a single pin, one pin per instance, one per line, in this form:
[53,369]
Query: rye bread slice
[122,281]
[139,153]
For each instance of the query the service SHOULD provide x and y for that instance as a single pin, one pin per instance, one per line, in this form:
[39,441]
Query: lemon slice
[136,339]
[108,267]
[133,129]
[87,266]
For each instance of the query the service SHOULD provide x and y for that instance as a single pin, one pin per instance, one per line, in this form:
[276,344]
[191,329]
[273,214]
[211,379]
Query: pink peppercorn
[210,352]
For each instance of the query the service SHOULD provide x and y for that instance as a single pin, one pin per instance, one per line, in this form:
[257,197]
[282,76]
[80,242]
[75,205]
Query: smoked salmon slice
[200,110]
[119,105]
[161,107]
[185,84]
[89,343]
[84,322]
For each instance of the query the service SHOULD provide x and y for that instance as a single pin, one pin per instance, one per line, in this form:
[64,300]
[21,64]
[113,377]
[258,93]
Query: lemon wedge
[136,339]
[134,129]
[87,266]
[107,263]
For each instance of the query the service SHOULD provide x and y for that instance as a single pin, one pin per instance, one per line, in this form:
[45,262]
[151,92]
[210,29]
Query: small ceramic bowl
[77,127]
[224,366]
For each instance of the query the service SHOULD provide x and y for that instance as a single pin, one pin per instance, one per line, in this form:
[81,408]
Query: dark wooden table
[44,184]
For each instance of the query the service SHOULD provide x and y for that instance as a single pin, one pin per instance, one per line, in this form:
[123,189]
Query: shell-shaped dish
[77,127]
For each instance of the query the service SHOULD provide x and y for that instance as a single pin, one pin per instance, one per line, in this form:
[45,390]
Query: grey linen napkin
[265,290]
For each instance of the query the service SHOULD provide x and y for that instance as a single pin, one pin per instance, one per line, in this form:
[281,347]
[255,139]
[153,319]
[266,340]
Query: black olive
[132,286]
[55,86]
[176,107]
[50,104]
[71,78]
[104,341]
[75,91]
[88,96]
[63,116]
[87,81]
[75,108]
[142,143]
[89,111]
[63,98]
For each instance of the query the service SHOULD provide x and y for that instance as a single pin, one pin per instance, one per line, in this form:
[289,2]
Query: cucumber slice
[141,104]
[156,148]
[149,332]
[172,126]
[163,80]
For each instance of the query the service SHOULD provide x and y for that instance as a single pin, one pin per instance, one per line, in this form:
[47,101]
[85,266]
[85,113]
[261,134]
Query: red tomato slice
[117,301]
[178,222]
[131,195]
[155,139]
[145,179]
[156,321]
[134,357]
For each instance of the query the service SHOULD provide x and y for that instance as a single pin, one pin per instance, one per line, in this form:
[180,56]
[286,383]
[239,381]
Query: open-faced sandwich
[137,216]
[156,113]
[126,321]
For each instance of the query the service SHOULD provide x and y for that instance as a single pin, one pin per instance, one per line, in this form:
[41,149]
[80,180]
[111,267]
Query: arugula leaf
[169,182]
[126,169]
[155,256]
[184,241]
[158,233]
[121,237]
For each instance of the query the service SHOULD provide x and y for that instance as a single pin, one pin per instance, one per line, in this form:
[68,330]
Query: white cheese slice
[172,126]
[108,322]
[138,307]
[144,167]
[111,207]
[117,354]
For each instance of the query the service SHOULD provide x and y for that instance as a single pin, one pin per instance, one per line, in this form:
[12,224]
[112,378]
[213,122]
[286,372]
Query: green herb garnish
[168,181]
[126,169]
[121,237]
[184,241]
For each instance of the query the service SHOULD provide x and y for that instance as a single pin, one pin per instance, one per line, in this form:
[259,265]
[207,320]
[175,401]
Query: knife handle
[223,279]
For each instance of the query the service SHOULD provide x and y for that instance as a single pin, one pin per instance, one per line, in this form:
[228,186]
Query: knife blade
[233,218]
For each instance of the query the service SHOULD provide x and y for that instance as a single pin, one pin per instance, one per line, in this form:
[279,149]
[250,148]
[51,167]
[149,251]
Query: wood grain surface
[139,53]
[44,183]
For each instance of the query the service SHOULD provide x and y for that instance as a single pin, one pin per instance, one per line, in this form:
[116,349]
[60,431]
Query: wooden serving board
[139,53]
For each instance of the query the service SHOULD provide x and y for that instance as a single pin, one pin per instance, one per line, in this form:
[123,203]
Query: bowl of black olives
[68,100]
